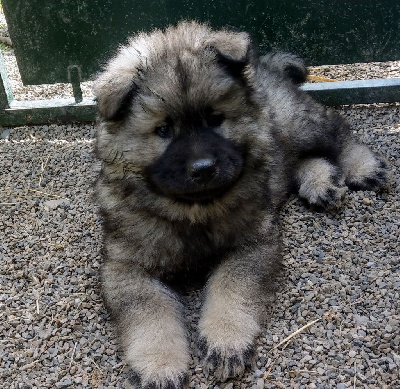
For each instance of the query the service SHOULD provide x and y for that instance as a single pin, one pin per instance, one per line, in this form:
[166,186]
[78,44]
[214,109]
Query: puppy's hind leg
[320,183]
[362,168]
[149,324]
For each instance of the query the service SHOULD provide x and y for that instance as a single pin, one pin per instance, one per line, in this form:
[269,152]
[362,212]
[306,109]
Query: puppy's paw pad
[374,180]
[224,364]
[135,381]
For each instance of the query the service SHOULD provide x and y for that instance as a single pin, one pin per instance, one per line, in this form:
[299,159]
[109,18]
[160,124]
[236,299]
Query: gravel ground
[341,298]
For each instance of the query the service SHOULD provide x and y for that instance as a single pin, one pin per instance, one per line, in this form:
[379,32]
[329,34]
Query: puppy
[201,141]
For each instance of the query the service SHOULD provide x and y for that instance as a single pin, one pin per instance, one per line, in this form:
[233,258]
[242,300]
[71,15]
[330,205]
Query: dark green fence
[67,41]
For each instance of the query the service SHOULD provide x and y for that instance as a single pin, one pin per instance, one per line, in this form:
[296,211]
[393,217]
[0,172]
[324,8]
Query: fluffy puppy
[201,142]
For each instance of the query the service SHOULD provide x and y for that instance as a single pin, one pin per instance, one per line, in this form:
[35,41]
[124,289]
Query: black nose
[202,169]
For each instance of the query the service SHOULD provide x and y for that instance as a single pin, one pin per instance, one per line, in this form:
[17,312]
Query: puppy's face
[198,165]
[177,107]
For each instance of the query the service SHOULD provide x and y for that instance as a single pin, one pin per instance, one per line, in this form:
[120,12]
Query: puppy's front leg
[234,308]
[149,324]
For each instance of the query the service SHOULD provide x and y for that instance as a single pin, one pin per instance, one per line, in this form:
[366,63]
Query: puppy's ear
[235,45]
[115,88]
[235,67]
[234,51]
[290,65]
[113,103]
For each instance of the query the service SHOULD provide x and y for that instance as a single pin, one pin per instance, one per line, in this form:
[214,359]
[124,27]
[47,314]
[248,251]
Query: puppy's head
[180,58]
[178,105]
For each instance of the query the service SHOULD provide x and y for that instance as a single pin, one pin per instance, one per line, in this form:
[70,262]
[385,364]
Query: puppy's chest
[200,251]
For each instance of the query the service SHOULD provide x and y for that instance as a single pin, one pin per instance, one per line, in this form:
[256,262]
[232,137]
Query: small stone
[301,320]
[367,201]
[228,386]
[258,373]
[5,134]
[260,383]
[54,204]
[64,384]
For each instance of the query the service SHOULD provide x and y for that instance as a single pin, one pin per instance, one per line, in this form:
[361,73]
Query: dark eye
[164,131]
[214,119]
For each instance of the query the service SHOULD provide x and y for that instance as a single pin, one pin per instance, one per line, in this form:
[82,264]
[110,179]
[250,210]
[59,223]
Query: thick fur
[201,142]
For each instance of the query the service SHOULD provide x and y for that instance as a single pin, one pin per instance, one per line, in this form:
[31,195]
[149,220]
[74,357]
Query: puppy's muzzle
[196,168]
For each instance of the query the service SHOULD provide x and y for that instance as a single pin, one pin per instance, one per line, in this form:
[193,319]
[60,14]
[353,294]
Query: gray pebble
[64,384]
[258,373]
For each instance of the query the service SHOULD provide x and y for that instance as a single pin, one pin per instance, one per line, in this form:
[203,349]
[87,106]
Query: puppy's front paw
[224,363]
[156,351]
[135,381]
[226,338]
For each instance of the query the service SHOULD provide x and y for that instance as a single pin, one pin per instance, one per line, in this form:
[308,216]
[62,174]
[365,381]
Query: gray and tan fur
[201,142]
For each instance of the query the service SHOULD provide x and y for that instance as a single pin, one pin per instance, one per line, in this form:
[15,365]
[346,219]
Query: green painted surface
[51,35]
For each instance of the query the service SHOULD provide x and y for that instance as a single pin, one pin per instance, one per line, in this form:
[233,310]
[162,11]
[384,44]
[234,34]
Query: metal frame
[17,113]
[20,113]
[382,90]
[78,109]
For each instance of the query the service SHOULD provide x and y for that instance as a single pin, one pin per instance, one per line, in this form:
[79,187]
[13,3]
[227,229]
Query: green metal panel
[50,36]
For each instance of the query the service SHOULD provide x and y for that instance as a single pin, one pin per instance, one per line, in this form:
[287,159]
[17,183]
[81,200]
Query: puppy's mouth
[202,190]
[205,196]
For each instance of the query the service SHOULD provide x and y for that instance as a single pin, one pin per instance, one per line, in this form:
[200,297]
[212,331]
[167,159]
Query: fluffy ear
[234,51]
[115,87]
[290,65]
[235,45]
